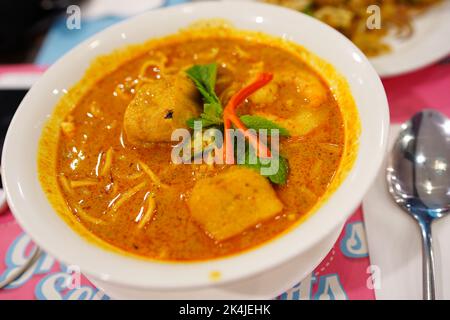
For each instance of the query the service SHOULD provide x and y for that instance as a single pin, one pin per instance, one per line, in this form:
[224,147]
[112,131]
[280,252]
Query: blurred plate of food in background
[411,34]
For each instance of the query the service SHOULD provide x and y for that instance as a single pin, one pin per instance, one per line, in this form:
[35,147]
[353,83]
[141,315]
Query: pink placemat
[427,88]
[343,274]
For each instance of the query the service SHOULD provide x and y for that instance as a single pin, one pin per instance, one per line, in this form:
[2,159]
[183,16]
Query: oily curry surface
[129,194]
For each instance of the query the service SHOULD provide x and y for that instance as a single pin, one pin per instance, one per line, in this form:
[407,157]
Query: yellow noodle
[148,215]
[330,147]
[108,162]
[65,184]
[316,169]
[209,55]
[151,174]
[224,79]
[241,53]
[133,176]
[126,196]
[95,109]
[86,217]
[316,174]
[115,188]
[308,193]
[171,70]
[82,183]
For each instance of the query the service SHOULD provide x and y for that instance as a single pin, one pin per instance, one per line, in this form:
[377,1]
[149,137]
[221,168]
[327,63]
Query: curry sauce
[109,183]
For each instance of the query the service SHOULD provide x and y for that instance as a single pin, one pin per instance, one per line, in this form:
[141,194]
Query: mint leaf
[204,78]
[206,120]
[256,123]
[283,170]
[190,122]
[213,111]
[279,177]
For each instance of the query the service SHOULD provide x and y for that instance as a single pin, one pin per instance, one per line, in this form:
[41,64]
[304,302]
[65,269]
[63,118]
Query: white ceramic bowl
[34,213]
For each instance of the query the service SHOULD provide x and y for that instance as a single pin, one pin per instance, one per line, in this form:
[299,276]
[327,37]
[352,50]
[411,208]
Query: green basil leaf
[279,177]
[204,78]
[206,122]
[213,111]
[283,170]
[257,122]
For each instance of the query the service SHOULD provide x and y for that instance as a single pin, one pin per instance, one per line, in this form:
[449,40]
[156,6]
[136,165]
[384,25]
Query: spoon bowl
[418,176]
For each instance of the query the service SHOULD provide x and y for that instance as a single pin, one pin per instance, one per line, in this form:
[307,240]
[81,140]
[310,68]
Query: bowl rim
[101,264]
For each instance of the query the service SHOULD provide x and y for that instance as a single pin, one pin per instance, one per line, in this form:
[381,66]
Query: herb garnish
[204,78]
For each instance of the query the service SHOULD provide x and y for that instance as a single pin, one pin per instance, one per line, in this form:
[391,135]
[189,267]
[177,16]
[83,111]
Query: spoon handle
[22,269]
[427,261]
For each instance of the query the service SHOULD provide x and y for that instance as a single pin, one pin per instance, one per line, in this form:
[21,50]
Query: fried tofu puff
[160,107]
[234,200]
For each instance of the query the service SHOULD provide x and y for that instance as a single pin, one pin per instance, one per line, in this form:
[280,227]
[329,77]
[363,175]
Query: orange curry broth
[97,117]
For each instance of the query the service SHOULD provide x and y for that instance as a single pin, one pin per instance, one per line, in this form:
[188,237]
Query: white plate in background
[429,43]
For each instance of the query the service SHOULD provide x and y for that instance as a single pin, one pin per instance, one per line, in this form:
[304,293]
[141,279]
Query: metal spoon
[22,269]
[418,176]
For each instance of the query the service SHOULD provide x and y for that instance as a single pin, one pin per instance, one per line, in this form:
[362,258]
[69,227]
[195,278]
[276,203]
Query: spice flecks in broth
[132,197]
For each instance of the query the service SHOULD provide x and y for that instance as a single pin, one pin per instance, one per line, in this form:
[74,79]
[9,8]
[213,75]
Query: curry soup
[112,156]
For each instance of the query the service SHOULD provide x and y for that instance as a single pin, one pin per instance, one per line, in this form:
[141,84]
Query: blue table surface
[60,39]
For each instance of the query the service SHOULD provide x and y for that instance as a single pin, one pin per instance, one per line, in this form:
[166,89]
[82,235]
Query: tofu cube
[233,201]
